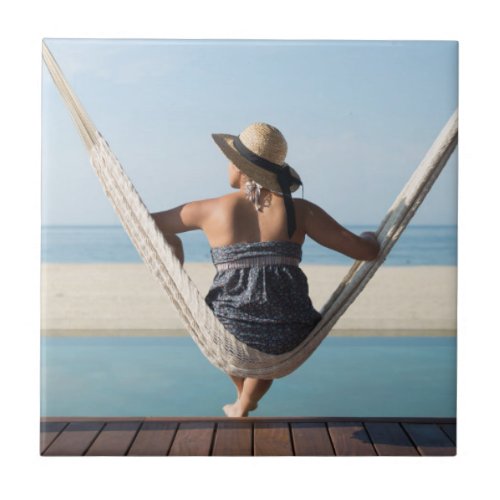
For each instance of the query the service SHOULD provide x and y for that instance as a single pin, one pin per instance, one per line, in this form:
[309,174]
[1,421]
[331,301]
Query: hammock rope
[221,348]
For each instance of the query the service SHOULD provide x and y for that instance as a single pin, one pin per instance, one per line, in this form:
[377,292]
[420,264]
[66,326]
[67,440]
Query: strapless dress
[261,295]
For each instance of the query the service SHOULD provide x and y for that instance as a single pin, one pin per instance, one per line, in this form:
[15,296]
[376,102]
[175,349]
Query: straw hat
[260,151]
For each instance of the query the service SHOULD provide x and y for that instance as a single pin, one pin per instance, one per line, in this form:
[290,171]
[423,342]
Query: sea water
[169,376]
[418,245]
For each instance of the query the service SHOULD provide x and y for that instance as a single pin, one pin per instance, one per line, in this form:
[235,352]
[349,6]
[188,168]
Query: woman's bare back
[234,219]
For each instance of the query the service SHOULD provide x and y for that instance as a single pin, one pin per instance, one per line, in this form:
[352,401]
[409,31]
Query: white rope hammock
[221,348]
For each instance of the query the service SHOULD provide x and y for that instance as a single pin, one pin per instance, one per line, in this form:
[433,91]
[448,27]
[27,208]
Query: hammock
[221,348]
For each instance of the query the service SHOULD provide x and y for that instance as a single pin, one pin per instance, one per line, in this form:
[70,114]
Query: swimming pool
[169,376]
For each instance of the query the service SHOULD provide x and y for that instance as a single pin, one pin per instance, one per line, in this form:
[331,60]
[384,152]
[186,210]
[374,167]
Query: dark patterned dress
[261,295]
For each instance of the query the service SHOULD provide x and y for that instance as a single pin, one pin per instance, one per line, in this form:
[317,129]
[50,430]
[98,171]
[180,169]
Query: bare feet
[236,409]
[249,391]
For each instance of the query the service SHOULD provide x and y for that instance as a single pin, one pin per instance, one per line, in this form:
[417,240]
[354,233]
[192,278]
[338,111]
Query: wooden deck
[258,436]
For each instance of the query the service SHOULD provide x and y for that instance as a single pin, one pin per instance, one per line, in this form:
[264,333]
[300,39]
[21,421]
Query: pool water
[169,376]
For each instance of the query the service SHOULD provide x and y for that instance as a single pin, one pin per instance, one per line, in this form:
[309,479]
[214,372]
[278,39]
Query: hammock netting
[221,348]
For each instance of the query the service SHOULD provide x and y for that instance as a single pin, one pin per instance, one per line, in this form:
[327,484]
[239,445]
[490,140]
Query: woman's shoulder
[304,207]
[303,203]
[224,199]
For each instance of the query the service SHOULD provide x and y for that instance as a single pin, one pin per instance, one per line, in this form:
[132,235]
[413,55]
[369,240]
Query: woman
[256,234]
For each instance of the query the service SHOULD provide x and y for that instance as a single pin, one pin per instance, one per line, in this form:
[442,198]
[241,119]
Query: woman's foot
[236,409]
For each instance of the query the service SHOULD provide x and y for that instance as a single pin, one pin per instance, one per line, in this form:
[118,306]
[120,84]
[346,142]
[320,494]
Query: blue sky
[358,118]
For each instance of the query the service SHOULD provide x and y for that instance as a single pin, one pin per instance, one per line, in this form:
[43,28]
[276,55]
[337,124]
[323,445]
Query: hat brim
[258,174]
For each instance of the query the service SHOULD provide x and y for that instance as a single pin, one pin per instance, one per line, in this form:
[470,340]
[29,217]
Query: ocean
[418,245]
[167,376]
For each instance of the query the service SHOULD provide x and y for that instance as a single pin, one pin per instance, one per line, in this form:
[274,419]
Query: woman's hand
[372,238]
[174,241]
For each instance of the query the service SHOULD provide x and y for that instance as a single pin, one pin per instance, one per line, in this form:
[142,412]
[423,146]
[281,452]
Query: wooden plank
[154,439]
[350,439]
[114,439]
[48,432]
[272,439]
[311,439]
[233,439]
[75,439]
[390,439]
[193,439]
[430,440]
[451,431]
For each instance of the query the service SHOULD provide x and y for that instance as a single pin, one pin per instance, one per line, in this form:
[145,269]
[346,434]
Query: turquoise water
[169,376]
[418,245]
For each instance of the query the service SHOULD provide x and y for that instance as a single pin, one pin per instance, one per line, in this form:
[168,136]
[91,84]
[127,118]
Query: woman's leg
[253,390]
[238,382]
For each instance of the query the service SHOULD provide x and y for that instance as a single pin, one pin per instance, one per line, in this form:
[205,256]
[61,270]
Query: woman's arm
[180,219]
[186,217]
[325,230]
